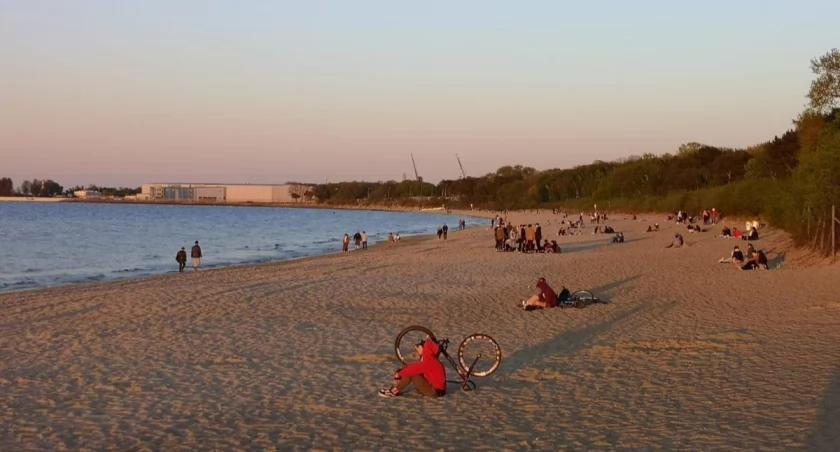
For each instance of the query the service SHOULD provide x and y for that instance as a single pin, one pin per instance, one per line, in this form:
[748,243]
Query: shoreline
[407,239]
[679,355]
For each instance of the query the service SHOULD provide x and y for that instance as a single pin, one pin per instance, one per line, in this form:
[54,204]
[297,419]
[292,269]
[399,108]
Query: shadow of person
[825,433]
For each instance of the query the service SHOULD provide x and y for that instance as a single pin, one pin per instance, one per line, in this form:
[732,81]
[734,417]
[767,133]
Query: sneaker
[386,393]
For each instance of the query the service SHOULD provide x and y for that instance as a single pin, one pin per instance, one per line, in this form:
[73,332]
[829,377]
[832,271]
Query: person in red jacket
[428,375]
[547,298]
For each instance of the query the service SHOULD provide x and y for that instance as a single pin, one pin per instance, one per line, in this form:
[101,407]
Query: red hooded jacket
[429,366]
[547,295]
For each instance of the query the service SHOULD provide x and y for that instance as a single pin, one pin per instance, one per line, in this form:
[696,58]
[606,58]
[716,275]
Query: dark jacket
[181,256]
[196,251]
[429,366]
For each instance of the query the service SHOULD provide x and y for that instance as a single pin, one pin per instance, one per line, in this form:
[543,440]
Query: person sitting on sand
[546,247]
[547,298]
[390,237]
[758,261]
[428,375]
[678,242]
[736,257]
[397,237]
[649,229]
[753,234]
[726,232]
[618,238]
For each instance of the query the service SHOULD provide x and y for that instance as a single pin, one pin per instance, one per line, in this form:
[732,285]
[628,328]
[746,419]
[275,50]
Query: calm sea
[50,244]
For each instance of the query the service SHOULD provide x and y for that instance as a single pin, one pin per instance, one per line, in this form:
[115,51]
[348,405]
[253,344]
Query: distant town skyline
[121,94]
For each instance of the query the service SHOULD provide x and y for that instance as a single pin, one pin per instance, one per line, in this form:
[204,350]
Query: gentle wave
[109,241]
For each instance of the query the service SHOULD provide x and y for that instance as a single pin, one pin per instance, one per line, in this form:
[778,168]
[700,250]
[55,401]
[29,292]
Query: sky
[131,92]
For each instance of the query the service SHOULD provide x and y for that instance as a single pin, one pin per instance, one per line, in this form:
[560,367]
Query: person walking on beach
[357,240]
[345,243]
[439,232]
[196,256]
[445,230]
[364,240]
[181,258]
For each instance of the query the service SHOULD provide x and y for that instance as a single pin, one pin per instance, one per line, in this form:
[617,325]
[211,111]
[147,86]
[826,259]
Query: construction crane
[463,173]
[416,176]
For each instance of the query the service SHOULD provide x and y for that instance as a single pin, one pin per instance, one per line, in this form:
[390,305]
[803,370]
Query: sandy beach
[689,354]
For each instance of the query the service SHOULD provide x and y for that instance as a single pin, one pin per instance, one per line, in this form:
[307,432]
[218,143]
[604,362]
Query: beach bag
[564,295]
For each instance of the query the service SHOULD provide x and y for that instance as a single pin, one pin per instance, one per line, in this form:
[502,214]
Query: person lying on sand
[736,257]
[547,298]
[678,242]
[428,375]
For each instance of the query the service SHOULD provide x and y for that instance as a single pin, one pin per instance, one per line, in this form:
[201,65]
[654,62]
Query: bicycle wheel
[408,337]
[483,350]
[583,295]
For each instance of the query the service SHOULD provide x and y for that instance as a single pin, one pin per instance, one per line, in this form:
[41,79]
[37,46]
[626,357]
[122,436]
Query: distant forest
[791,180]
[44,188]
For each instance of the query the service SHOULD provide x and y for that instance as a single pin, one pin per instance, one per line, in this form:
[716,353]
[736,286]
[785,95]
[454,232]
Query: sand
[689,354]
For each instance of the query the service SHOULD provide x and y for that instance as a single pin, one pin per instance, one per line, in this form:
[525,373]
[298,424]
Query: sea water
[51,244]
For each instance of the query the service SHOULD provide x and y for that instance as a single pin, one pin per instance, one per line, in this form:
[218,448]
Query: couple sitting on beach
[758,260]
[547,298]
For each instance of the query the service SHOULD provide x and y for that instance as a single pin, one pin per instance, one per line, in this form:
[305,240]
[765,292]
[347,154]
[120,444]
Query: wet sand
[689,354]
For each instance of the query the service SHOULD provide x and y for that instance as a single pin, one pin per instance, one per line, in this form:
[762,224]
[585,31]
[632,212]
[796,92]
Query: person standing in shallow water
[357,239]
[196,256]
[364,240]
[181,258]
[345,243]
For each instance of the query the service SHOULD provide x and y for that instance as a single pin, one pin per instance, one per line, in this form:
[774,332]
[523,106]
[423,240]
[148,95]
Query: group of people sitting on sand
[523,239]
[736,233]
[757,259]
[429,375]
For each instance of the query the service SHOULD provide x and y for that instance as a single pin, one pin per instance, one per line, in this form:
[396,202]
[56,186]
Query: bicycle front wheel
[481,350]
[583,295]
[407,339]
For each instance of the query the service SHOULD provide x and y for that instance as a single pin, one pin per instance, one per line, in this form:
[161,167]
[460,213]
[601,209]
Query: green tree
[7,186]
[825,89]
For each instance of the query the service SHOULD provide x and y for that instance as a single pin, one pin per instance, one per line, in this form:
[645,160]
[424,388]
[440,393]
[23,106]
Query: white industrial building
[233,193]
[86,194]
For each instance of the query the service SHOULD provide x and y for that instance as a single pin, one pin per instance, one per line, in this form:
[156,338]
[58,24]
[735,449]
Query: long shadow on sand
[606,288]
[586,246]
[567,343]
[825,433]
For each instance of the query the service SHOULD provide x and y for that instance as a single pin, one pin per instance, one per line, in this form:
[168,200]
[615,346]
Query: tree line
[791,180]
[44,188]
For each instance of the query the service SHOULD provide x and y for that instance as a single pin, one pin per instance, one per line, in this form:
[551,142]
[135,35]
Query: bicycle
[579,299]
[404,348]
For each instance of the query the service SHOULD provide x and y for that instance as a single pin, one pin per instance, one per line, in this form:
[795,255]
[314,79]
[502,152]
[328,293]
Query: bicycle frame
[463,373]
